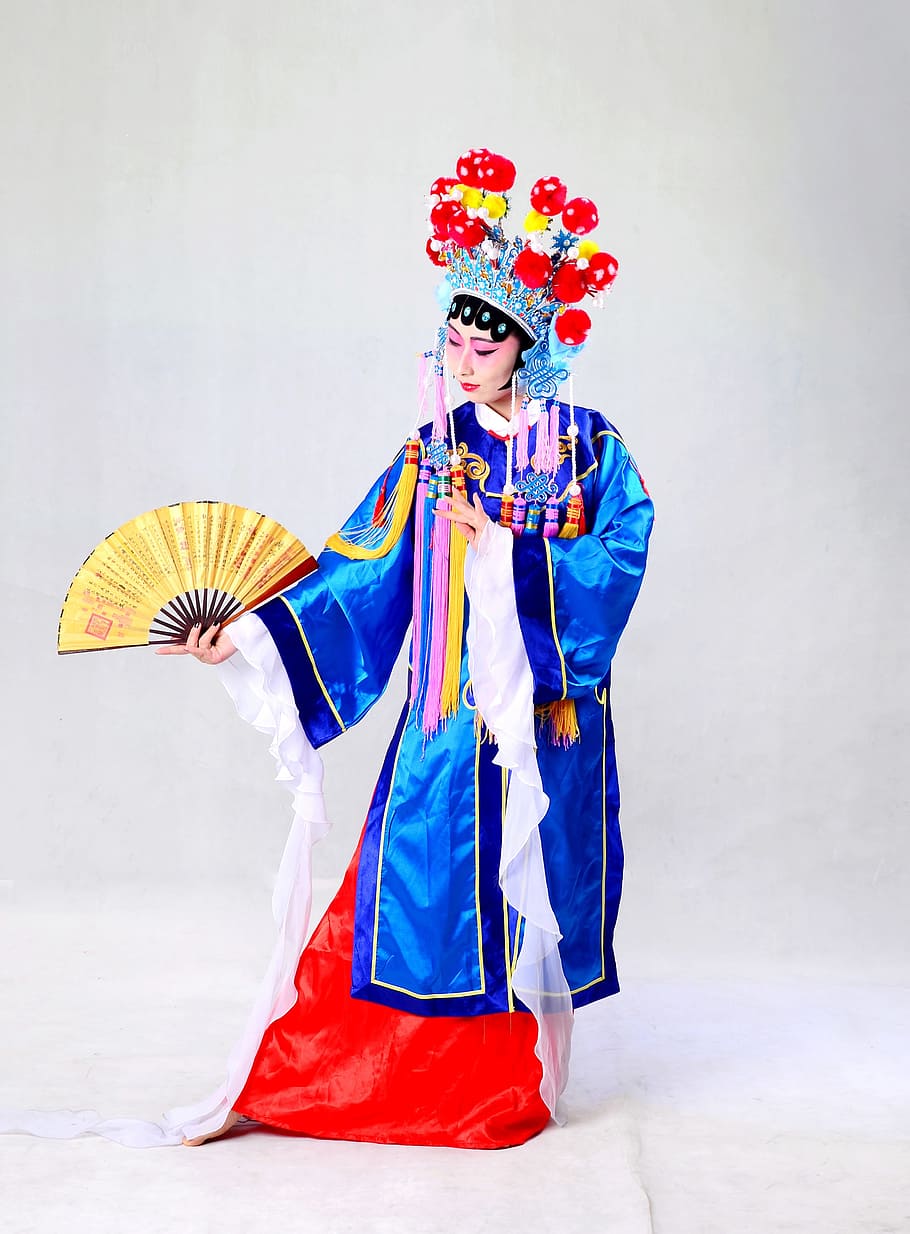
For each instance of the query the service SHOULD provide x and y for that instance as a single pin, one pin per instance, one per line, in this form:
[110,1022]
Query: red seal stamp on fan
[98,626]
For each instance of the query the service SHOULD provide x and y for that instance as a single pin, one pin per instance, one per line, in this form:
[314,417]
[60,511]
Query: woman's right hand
[212,648]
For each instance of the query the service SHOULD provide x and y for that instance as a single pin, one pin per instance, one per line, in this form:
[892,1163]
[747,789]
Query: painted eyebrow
[487,342]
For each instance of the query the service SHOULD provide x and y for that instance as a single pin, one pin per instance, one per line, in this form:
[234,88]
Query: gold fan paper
[153,578]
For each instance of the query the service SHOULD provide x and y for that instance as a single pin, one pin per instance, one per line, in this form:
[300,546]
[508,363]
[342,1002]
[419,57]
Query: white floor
[695,1107]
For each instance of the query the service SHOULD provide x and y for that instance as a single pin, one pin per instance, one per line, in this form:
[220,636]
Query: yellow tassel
[401,499]
[451,680]
[564,722]
[560,720]
[571,526]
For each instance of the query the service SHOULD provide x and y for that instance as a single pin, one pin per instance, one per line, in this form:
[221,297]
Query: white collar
[493,422]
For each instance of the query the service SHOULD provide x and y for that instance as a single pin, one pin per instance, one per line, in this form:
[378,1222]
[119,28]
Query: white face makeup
[481,367]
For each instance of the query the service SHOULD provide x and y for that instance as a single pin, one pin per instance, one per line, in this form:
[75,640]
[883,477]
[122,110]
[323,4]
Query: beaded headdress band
[537,279]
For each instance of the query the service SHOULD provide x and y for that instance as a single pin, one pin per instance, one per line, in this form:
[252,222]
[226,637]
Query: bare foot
[228,1123]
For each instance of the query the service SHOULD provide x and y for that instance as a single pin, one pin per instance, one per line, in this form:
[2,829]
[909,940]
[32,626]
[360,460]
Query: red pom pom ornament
[602,270]
[444,216]
[469,167]
[572,327]
[548,196]
[442,186]
[534,269]
[568,283]
[467,232]
[580,216]
[436,256]
[497,173]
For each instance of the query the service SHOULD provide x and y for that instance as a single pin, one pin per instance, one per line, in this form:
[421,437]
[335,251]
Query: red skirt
[340,1068]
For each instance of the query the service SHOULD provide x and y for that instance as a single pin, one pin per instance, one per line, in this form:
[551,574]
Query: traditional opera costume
[433,1003]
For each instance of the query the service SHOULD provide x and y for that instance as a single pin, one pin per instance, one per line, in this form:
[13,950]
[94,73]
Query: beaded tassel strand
[458,549]
[561,717]
[507,506]
[575,510]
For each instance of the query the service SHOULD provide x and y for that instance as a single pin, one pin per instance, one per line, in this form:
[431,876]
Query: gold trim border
[312,659]
[548,552]
[387,985]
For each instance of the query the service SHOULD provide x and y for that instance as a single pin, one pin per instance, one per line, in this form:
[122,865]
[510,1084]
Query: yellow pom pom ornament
[495,204]
[536,221]
[470,198]
[587,249]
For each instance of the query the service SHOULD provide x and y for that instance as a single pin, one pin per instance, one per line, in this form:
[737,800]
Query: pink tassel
[551,519]
[542,453]
[439,408]
[519,509]
[521,443]
[439,618]
[423,484]
[554,438]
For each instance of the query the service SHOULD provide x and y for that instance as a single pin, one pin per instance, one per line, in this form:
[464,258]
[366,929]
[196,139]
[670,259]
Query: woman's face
[481,367]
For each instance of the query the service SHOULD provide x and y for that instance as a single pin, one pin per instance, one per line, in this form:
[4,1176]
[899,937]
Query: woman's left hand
[213,647]
[470,520]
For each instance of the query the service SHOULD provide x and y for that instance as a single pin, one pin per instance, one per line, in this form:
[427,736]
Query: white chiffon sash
[503,687]
[257,682]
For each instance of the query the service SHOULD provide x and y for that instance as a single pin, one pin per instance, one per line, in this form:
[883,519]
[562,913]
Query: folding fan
[153,578]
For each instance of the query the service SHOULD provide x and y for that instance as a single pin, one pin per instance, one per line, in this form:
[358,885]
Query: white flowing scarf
[258,684]
[503,687]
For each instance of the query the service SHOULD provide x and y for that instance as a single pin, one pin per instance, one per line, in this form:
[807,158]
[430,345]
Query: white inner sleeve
[503,687]
[256,680]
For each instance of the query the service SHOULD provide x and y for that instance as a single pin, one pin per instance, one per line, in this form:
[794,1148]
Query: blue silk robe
[433,934]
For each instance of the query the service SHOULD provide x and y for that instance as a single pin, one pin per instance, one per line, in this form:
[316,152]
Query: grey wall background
[213,276]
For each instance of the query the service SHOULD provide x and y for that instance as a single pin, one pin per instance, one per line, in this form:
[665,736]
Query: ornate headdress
[537,279]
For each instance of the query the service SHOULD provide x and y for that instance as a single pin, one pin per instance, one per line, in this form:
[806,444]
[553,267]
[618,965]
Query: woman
[419,966]
[433,1004]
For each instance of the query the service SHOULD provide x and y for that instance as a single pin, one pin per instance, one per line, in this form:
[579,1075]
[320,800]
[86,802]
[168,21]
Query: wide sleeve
[574,596]
[339,630]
